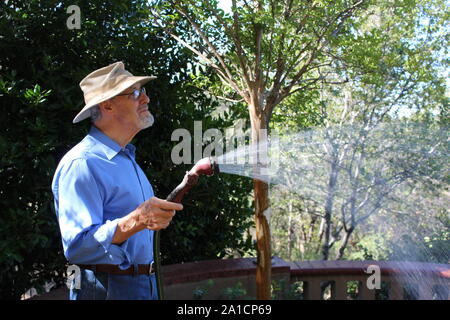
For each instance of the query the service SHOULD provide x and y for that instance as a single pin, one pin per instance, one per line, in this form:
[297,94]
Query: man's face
[131,112]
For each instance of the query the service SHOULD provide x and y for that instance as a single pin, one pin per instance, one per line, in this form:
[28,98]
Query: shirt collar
[110,147]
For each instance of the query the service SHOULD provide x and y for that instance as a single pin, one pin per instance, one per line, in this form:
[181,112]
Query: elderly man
[105,205]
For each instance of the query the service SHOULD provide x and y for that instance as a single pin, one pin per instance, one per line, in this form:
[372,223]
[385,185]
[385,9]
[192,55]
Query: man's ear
[106,105]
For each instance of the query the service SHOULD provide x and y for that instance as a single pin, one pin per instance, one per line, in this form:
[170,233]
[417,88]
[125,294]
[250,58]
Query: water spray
[374,168]
[206,166]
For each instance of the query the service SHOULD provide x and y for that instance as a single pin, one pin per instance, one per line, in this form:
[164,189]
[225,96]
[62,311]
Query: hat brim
[86,112]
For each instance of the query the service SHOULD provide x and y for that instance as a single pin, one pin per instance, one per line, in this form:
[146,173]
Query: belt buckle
[150,269]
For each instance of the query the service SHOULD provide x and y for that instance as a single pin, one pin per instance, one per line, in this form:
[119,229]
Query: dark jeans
[104,286]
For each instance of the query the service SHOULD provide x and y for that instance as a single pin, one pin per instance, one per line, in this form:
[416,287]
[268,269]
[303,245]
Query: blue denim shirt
[96,183]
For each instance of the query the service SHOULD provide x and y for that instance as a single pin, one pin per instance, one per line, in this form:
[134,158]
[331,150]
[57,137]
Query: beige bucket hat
[105,83]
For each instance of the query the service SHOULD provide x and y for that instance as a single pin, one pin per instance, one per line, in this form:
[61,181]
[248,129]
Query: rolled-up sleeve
[87,239]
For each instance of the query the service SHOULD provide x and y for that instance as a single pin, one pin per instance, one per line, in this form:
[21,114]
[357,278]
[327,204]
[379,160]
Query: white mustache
[144,108]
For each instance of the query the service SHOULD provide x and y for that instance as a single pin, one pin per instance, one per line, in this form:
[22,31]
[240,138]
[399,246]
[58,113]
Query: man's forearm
[153,214]
[127,226]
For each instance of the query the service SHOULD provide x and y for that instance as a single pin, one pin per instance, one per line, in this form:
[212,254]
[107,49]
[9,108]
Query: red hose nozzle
[207,166]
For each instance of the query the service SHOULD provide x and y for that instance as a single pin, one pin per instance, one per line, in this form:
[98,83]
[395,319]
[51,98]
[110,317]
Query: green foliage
[234,293]
[200,292]
[369,247]
[298,112]
[285,290]
[41,63]
[438,246]
[397,51]
[279,291]
[283,44]
[395,60]
[295,226]
[352,289]
[430,244]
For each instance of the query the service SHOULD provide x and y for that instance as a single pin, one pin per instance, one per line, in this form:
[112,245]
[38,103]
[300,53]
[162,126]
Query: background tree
[263,52]
[396,68]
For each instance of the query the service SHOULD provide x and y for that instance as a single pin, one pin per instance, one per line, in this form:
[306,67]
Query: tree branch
[224,73]
[320,35]
[234,34]
[241,54]
[206,40]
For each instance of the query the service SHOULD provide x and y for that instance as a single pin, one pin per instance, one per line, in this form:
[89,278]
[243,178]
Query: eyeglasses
[135,93]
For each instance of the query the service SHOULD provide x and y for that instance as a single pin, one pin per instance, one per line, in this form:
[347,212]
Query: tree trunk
[261,192]
[344,243]
[264,263]
[290,231]
[328,211]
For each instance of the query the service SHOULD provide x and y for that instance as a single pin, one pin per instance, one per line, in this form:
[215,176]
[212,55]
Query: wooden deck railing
[314,280]
[397,280]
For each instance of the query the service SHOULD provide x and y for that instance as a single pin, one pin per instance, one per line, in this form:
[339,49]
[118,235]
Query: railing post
[395,290]
[340,289]
[313,291]
[364,293]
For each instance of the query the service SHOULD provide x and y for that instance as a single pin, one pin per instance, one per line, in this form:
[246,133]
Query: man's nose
[143,98]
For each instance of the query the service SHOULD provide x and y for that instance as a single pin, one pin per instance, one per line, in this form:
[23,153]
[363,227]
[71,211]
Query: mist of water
[394,176]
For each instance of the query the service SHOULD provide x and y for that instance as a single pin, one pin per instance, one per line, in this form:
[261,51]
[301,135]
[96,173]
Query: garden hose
[207,166]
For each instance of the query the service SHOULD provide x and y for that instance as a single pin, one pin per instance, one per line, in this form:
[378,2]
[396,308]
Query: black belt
[147,269]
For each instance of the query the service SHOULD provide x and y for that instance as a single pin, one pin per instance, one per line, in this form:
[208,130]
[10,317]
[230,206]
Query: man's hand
[153,214]
[156,214]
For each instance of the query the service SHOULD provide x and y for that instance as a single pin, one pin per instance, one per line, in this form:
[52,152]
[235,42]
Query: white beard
[147,121]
